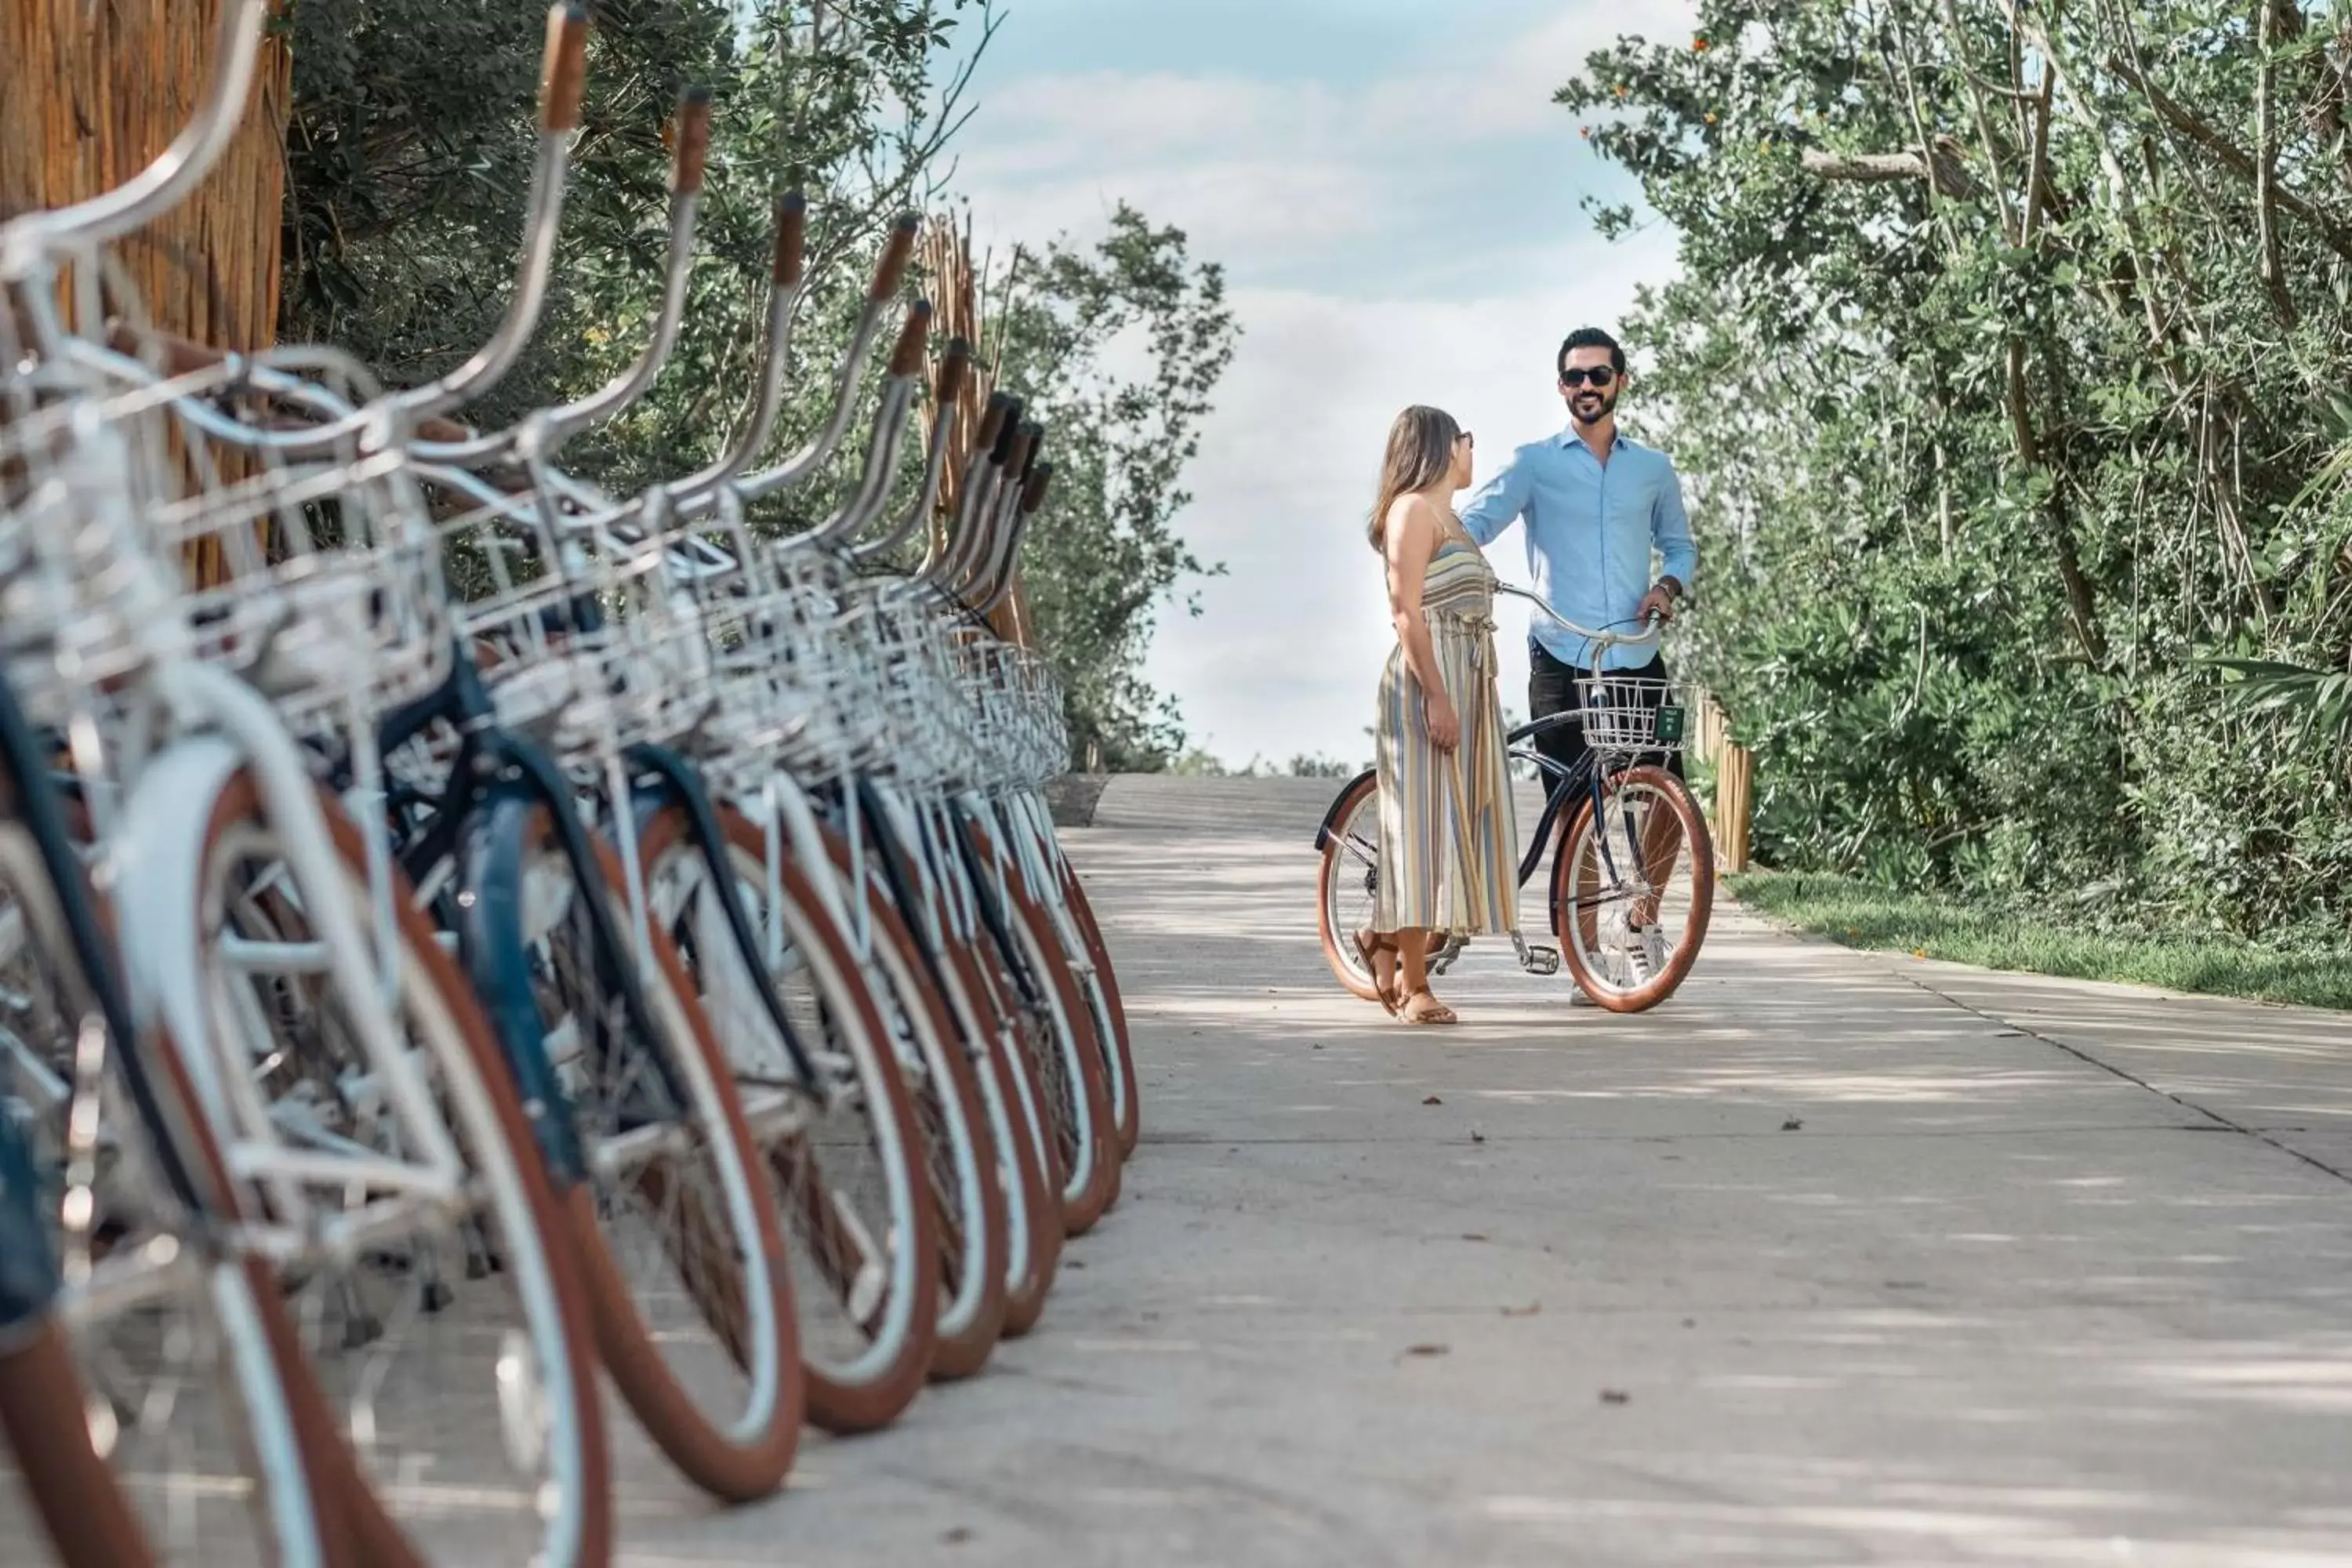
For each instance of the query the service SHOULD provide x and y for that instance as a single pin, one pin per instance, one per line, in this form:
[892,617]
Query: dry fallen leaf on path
[1427,1350]
[1615,1397]
[1476,1136]
[1530,1310]
[957,1536]
[1792,1125]
[1432,1100]
[1473,1235]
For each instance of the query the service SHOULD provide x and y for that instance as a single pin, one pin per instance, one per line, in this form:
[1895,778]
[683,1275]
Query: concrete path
[1836,1259]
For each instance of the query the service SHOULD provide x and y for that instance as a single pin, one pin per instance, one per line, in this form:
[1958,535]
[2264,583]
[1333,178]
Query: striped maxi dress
[1449,841]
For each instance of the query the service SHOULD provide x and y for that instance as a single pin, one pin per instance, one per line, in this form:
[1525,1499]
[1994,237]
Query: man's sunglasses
[1599,375]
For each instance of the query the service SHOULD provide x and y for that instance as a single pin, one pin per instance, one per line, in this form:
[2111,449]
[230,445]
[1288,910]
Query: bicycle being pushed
[1631,885]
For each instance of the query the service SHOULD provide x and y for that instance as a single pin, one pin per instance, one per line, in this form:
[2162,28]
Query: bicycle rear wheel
[1347,883]
[1632,887]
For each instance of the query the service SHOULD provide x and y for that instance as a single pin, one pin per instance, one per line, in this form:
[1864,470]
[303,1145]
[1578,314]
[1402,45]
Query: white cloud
[1286,655]
[1326,199]
[1254,168]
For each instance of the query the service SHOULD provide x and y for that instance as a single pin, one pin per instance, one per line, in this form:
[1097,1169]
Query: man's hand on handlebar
[1657,605]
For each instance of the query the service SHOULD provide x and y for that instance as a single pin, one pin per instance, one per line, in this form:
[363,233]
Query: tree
[1104,553]
[411,148]
[2004,366]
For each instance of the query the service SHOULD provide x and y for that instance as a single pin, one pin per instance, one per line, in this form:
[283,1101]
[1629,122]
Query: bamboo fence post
[89,95]
[960,306]
[1735,777]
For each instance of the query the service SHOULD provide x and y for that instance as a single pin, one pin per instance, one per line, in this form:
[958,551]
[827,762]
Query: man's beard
[1579,404]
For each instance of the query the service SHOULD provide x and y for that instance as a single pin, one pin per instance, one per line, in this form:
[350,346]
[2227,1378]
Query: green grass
[2314,973]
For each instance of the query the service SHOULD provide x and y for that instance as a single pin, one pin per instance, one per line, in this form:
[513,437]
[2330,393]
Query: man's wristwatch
[1673,587]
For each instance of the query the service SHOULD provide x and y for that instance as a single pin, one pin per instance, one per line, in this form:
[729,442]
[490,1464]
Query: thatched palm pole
[90,93]
[959,294]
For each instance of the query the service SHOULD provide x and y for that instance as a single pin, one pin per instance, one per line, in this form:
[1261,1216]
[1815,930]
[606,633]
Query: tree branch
[2230,156]
[2266,164]
[1951,175]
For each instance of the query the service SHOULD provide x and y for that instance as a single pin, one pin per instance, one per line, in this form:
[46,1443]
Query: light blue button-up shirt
[1591,530]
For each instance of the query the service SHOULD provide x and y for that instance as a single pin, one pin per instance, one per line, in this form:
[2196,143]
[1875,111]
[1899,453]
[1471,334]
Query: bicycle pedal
[1541,961]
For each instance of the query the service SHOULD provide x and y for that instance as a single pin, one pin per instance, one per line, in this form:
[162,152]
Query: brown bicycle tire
[379,1539]
[1700,845]
[959,1355]
[1130,1114]
[1082,1209]
[836,1405]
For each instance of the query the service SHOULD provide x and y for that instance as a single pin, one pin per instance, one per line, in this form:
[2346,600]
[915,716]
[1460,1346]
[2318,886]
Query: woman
[1449,847]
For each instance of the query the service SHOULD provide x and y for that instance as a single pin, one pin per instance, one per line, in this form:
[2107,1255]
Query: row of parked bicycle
[462,929]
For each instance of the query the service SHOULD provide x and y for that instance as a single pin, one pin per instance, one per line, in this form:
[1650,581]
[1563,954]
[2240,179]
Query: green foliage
[2025,496]
[410,154]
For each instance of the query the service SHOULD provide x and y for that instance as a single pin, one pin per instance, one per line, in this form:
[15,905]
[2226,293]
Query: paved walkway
[1836,1259]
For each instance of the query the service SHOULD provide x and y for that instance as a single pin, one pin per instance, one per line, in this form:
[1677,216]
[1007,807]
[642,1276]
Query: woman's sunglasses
[1599,375]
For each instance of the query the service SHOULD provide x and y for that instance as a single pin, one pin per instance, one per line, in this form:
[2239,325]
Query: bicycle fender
[491,853]
[1332,812]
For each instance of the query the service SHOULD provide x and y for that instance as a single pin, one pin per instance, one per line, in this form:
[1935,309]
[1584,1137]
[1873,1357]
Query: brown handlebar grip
[1032,447]
[792,238]
[906,356]
[992,422]
[693,150]
[954,365]
[1032,495]
[892,269]
[1016,458]
[564,70]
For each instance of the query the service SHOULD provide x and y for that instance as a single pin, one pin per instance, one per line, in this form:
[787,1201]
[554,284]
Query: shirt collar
[1569,438]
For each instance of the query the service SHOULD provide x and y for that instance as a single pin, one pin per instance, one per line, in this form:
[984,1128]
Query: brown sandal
[1369,946]
[1436,1012]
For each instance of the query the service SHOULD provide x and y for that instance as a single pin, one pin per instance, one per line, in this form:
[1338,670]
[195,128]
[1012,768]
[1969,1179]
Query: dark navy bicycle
[1632,868]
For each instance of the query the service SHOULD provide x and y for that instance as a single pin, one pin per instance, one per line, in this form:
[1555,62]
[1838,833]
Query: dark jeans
[1552,689]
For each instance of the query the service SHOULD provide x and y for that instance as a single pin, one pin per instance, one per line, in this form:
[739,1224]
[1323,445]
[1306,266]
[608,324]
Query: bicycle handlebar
[1601,641]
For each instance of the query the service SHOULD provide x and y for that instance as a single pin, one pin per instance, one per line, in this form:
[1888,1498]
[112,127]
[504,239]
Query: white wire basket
[148,517]
[1631,714]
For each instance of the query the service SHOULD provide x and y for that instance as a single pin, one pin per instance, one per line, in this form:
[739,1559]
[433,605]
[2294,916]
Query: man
[1596,505]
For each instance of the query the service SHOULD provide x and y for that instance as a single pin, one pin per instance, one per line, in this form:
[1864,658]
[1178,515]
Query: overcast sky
[1396,200]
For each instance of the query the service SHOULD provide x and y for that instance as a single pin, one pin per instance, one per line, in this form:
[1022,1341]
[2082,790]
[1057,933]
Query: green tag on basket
[1670,722]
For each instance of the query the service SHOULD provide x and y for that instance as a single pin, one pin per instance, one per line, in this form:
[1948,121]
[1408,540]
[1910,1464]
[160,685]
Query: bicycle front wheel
[675,1224]
[1632,889]
[846,1152]
[461,1327]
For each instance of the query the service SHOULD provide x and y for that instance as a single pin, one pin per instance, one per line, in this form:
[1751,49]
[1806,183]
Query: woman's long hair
[1420,449]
